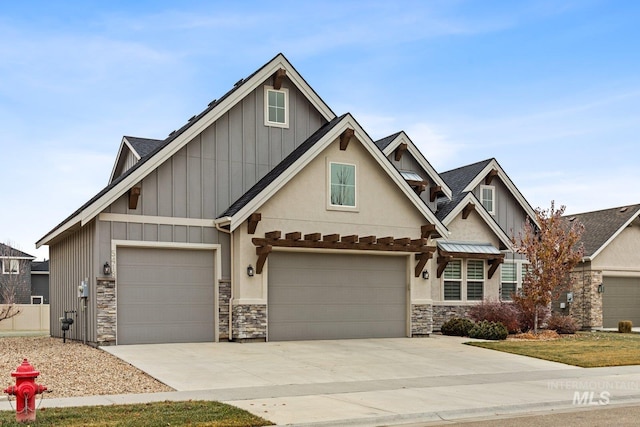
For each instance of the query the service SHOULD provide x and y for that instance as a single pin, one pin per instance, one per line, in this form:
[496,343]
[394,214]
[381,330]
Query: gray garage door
[164,295]
[335,296]
[621,301]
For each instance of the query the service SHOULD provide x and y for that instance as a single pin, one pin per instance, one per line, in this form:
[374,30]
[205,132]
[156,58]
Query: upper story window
[342,184]
[487,198]
[276,107]
[10,266]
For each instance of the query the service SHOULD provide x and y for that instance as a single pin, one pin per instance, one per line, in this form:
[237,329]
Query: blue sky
[551,89]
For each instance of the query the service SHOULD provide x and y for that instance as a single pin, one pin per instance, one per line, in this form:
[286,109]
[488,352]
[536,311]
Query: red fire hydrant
[25,391]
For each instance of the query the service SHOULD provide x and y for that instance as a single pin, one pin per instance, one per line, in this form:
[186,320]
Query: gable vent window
[487,197]
[276,107]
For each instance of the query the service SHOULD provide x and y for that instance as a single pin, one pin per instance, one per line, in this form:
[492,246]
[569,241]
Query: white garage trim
[216,248]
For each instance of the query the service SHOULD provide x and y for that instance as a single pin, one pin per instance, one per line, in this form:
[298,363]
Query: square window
[10,266]
[487,198]
[276,107]
[343,185]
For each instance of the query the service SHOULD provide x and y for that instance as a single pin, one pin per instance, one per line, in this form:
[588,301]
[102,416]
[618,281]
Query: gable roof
[603,226]
[139,147]
[303,155]
[178,139]
[40,266]
[466,178]
[7,251]
[391,142]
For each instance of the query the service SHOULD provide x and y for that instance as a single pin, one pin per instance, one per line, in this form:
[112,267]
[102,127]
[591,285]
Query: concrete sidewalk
[369,382]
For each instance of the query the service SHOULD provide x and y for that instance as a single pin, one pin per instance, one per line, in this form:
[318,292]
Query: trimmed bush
[562,324]
[489,331]
[457,326]
[625,326]
[506,313]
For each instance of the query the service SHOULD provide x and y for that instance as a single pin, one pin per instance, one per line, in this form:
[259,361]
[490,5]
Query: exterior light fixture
[425,275]
[601,288]
[250,271]
[106,269]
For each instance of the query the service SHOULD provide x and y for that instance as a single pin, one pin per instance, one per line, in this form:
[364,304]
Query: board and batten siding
[408,163]
[71,261]
[509,215]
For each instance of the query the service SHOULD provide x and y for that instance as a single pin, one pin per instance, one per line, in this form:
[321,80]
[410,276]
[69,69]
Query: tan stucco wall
[622,255]
[301,205]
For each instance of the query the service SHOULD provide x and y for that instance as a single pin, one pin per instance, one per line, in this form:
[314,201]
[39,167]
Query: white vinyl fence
[32,317]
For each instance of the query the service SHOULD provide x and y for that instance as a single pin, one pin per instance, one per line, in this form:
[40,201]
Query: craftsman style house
[268,217]
[15,275]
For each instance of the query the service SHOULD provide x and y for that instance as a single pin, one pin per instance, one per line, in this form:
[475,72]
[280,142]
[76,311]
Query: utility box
[83,289]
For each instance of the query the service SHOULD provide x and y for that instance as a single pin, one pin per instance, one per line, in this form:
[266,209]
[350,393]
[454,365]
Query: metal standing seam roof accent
[469,248]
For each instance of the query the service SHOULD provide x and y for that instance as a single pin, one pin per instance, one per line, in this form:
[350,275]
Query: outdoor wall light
[601,288]
[106,269]
[250,271]
[425,275]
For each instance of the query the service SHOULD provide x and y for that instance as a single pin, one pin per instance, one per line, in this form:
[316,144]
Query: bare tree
[13,277]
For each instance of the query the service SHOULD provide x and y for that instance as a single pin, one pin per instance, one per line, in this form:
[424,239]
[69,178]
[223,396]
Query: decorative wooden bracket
[442,264]
[493,173]
[493,265]
[278,76]
[134,194]
[262,252]
[467,210]
[345,137]
[253,221]
[418,186]
[400,149]
[427,230]
[422,261]
[436,191]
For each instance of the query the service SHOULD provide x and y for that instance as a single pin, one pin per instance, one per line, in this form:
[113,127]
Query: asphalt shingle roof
[8,251]
[144,146]
[457,179]
[600,226]
[384,142]
[39,265]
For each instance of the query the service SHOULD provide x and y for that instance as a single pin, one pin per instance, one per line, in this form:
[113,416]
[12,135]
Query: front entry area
[314,296]
[164,295]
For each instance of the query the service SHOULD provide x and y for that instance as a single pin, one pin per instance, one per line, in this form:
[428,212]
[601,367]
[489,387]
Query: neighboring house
[268,217]
[478,261]
[15,277]
[607,282]
[40,282]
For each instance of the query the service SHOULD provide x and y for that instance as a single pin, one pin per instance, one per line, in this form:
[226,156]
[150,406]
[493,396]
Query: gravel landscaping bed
[73,369]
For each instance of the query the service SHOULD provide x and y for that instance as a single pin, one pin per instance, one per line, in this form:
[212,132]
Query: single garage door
[333,296]
[164,295]
[621,301]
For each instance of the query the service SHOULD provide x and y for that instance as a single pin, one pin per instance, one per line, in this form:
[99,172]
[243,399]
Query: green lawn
[191,413]
[585,349]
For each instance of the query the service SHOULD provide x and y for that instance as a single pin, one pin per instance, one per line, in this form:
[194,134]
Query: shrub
[489,331]
[457,326]
[625,326]
[526,317]
[506,313]
[562,324]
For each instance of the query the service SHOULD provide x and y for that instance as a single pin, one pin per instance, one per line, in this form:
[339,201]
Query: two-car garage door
[334,296]
[165,295]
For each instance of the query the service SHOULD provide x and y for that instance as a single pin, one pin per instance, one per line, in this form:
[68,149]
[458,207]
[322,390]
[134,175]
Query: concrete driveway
[374,381]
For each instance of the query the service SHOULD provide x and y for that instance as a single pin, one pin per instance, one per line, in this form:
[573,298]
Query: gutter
[218,224]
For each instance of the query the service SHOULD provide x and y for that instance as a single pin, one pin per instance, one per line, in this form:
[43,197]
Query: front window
[453,281]
[10,266]
[487,197]
[276,107]
[343,185]
[509,280]
[475,280]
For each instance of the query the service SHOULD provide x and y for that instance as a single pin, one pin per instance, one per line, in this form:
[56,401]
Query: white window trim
[9,261]
[460,280]
[519,265]
[466,279]
[267,89]
[493,197]
[35,298]
[333,207]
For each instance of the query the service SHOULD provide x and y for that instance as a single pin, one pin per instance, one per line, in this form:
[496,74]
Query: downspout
[219,228]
